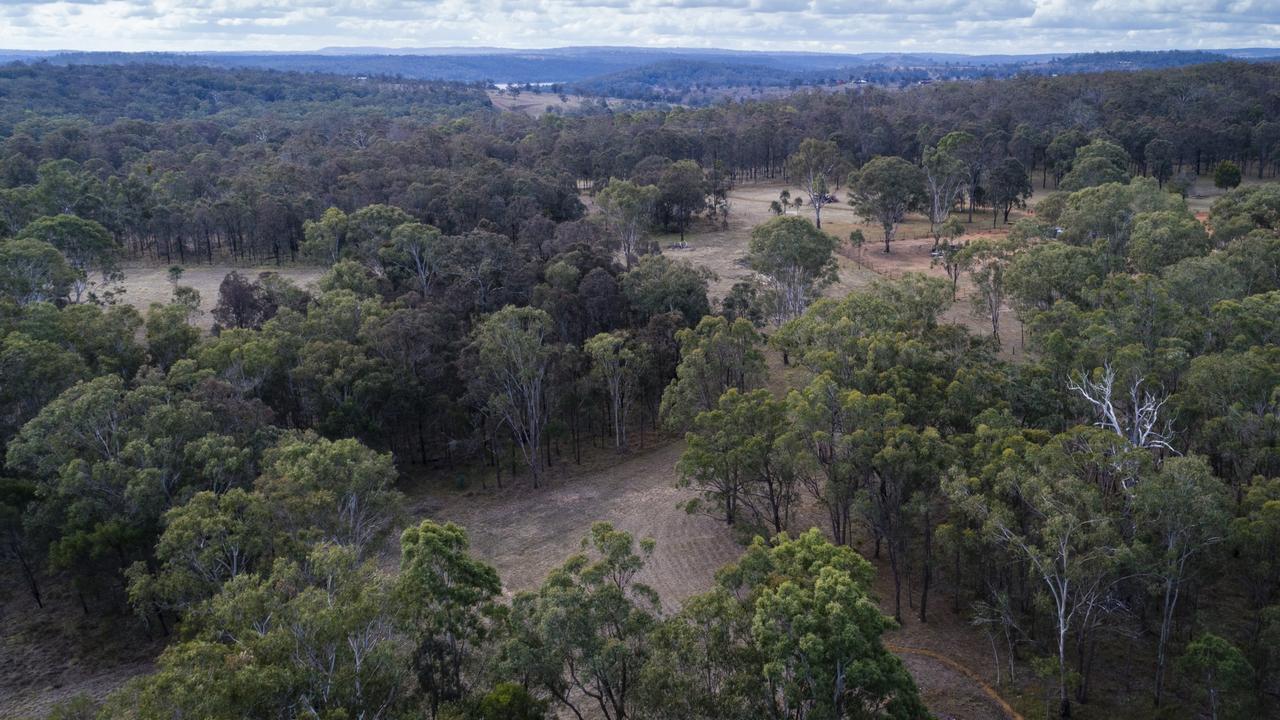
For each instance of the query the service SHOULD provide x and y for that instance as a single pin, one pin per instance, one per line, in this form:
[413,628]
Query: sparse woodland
[1104,508]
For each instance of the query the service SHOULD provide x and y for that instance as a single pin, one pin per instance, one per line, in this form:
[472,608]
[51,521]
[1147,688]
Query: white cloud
[976,26]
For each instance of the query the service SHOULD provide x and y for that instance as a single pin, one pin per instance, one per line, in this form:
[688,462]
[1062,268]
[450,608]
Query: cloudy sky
[972,26]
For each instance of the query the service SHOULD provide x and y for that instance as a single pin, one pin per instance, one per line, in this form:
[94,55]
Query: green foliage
[1222,674]
[1098,163]
[796,261]
[1181,514]
[1162,238]
[1103,216]
[1159,156]
[704,663]
[1242,210]
[170,334]
[813,165]
[1226,175]
[738,460]
[212,539]
[506,701]
[86,245]
[818,632]
[682,193]
[987,262]
[1008,186]
[946,176]
[447,602]
[1255,535]
[658,284]
[583,636]
[315,637]
[714,356]
[617,364]
[885,190]
[838,434]
[628,209]
[33,271]
[109,460]
[335,491]
[32,373]
[509,372]
[1043,274]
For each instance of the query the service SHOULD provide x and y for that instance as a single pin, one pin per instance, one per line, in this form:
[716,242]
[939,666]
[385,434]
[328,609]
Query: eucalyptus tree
[628,210]
[617,363]
[796,260]
[945,178]
[584,636]
[506,366]
[813,166]
[739,461]
[1181,513]
[86,245]
[884,191]
[447,605]
[714,356]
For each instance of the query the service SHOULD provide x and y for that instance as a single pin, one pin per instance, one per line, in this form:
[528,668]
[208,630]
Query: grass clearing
[147,284]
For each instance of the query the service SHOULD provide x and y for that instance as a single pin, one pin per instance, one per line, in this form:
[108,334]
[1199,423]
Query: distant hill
[688,75]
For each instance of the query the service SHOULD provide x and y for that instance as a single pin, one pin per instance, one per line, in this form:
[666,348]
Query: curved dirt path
[525,533]
[986,688]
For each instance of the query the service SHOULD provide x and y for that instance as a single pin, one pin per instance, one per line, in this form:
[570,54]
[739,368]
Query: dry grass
[535,105]
[1203,194]
[722,251]
[147,284]
[52,654]
[525,532]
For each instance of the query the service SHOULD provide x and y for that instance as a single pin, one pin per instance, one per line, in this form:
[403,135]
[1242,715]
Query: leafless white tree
[1135,418]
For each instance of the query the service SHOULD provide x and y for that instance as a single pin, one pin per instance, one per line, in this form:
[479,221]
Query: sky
[966,26]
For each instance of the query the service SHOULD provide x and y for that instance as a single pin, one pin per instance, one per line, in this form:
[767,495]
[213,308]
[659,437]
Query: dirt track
[525,533]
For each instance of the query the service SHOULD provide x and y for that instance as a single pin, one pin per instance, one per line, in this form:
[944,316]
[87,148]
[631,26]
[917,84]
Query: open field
[1202,195]
[525,533]
[723,250]
[147,284]
[538,104]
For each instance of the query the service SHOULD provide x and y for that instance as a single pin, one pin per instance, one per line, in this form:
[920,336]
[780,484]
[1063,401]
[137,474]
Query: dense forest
[680,75]
[1105,507]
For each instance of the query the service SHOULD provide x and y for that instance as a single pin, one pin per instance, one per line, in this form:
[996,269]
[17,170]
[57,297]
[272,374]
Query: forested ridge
[682,75]
[496,302]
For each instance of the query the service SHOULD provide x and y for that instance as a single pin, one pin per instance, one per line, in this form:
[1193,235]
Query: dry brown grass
[52,654]
[147,284]
[534,105]
[525,532]
[722,251]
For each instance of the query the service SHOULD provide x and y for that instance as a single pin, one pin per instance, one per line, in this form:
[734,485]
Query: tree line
[189,165]
[1100,503]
